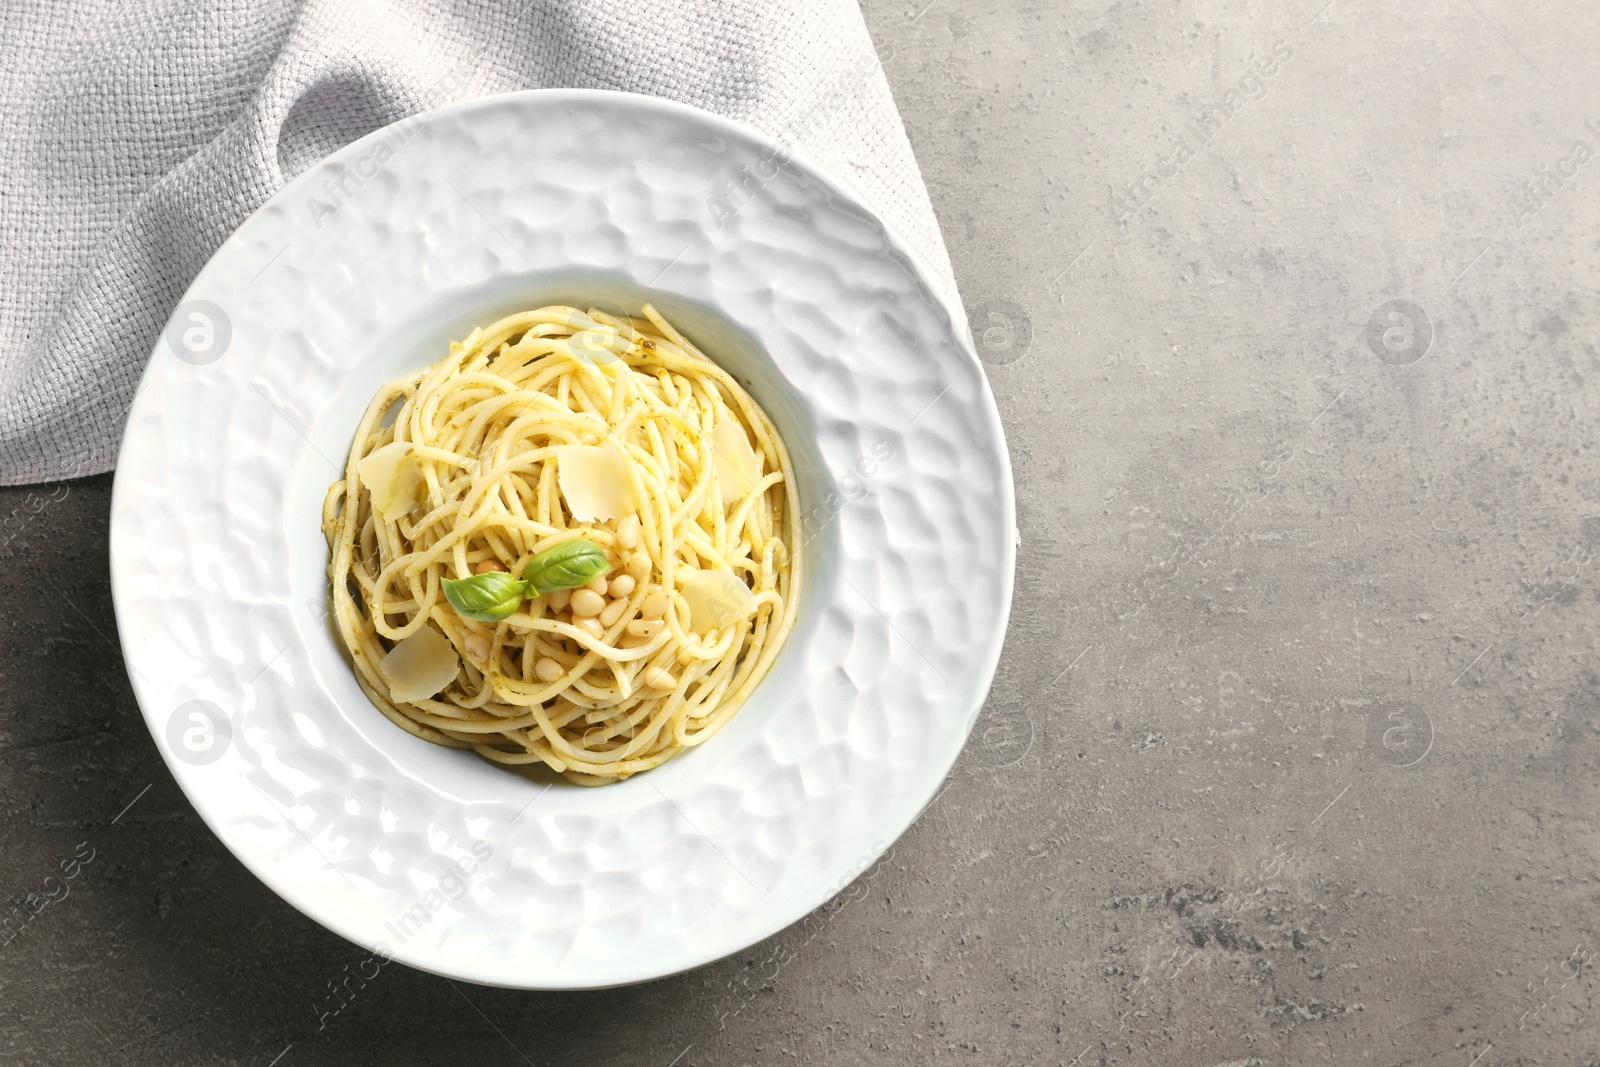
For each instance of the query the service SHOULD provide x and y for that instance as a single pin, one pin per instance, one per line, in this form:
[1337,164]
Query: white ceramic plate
[362,269]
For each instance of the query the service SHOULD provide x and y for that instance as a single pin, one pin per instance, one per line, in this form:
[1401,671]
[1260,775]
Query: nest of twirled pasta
[572,541]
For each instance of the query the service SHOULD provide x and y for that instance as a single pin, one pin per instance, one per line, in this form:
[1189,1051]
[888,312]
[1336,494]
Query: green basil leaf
[566,566]
[487,597]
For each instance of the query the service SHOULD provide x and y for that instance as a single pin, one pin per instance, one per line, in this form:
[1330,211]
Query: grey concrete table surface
[1291,314]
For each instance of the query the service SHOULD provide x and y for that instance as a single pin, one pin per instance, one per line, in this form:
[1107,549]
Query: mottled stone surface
[1292,757]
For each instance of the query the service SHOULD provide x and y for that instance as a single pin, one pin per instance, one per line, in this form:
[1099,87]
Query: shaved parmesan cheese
[420,665]
[594,482]
[738,466]
[392,476]
[715,599]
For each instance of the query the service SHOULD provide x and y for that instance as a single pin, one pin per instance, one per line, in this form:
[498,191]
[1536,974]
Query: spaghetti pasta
[552,448]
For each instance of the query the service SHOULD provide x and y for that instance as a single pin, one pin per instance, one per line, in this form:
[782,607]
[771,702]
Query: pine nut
[622,585]
[613,611]
[628,531]
[558,600]
[597,584]
[656,678]
[592,627]
[587,602]
[477,646]
[655,605]
[548,670]
[646,628]
[484,566]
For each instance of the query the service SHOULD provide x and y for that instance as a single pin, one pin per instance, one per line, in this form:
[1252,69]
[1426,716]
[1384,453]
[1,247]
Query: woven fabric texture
[137,137]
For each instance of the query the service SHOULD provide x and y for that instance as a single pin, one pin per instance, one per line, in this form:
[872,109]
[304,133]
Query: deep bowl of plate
[363,269]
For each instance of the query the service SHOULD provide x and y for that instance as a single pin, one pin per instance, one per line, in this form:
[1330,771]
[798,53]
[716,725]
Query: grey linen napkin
[135,138]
